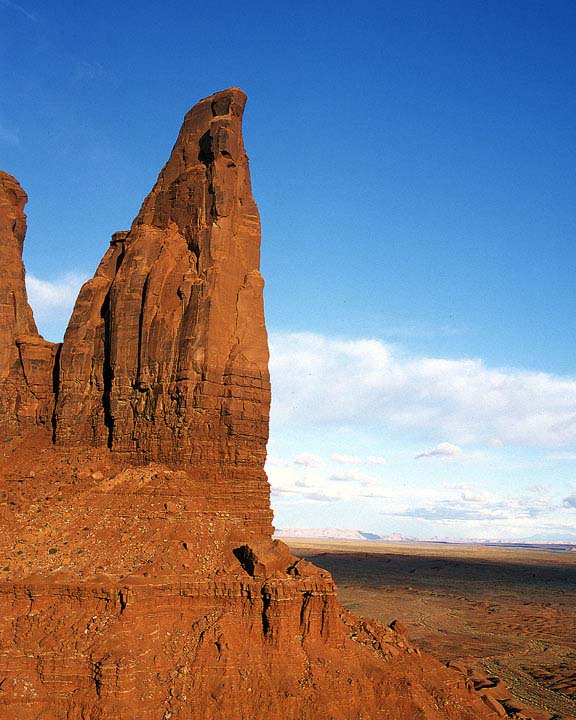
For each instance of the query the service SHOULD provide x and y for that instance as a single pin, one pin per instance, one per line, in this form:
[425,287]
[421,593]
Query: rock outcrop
[139,575]
[26,359]
[174,316]
[166,354]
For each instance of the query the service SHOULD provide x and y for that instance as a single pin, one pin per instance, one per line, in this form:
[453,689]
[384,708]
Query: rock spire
[26,359]
[166,354]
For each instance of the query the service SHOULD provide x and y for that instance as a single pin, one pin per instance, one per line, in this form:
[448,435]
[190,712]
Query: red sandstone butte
[26,359]
[175,315]
[139,578]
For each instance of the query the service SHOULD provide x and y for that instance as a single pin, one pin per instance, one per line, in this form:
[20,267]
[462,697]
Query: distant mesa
[338,534]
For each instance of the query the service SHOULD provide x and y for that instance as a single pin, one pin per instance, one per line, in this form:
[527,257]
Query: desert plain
[505,614]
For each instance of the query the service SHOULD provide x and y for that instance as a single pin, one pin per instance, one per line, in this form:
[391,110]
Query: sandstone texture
[139,578]
[174,316]
[26,359]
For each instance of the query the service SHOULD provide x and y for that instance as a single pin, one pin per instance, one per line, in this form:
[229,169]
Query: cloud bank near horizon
[326,381]
[464,443]
[330,497]
[329,382]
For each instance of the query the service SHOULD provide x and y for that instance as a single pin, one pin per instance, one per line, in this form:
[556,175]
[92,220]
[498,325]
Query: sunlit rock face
[139,575]
[166,354]
[26,359]
[174,315]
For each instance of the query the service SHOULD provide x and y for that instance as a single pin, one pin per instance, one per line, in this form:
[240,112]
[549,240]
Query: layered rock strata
[122,598]
[166,353]
[139,575]
[26,359]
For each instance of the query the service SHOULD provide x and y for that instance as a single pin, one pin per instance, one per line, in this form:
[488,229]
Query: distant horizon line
[350,535]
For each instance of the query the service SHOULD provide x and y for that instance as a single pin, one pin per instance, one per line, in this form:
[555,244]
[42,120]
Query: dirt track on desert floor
[509,612]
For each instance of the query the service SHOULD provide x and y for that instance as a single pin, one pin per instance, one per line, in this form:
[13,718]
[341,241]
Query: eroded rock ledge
[139,575]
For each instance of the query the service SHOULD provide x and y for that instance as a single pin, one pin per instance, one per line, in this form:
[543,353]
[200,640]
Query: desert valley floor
[506,612]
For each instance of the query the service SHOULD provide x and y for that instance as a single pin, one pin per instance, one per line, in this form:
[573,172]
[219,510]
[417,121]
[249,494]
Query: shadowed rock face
[26,359]
[139,576]
[166,354]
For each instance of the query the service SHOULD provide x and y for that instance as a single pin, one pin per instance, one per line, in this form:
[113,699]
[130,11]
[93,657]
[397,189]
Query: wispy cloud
[353,476]
[347,459]
[366,384]
[481,508]
[457,509]
[296,484]
[356,460]
[563,456]
[52,301]
[308,460]
[539,489]
[19,9]
[49,295]
[276,461]
[443,450]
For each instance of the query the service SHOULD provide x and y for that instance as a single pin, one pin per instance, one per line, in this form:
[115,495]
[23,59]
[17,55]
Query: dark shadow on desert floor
[509,612]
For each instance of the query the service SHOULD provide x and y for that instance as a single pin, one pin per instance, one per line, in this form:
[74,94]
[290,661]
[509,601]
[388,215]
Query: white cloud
[53,301]
[459,486]
[347,460]
[308,460]
[467,510]
[328,382]
[443,450]
[289,483]
[355,460]
[474,497]
[482,508]
[353,476]
[48,295]
[539,488]
[301,482]
[458,509]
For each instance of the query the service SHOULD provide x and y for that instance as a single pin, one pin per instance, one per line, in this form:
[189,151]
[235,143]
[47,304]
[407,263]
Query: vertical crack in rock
[266,602]
[107,377]
[123,600]
[97,675]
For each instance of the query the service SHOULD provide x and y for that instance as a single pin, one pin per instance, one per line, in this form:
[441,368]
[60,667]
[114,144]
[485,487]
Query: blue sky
[414,167]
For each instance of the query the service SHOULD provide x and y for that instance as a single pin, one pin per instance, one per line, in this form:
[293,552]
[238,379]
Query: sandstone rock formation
[26,359]
[174,315]
[139,577]
[166,354]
